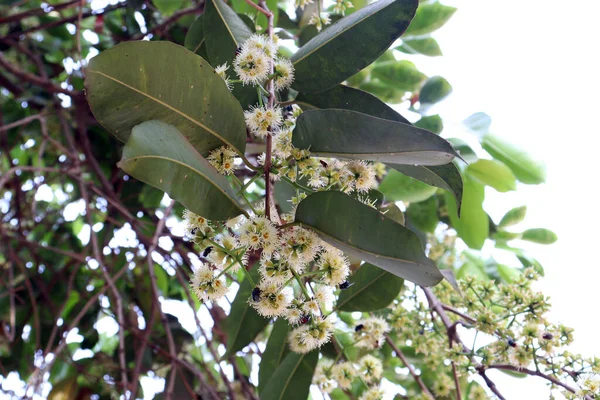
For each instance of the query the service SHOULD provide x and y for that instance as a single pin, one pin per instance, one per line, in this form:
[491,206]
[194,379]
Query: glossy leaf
[373,290]
[355,135]
[126,86]
[423,215]
[513,217]
[159,155]
[430,17]
[434,90]
[291,380]
[432,123]
[347,98]
[525,168]
[276,350]
[427,46]
[194,40]
[363,232]
[351,44]
[539,235]
[463,148]
[493,173]
[243,322]
[445,177]
[400,75]
[399,187]
[473,226]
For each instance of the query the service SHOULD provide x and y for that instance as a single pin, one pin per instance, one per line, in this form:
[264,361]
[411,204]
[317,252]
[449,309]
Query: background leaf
[400,75]
[430,17]
[473,226]
[434,90]
[350,44]
[539,235]
[291,380]
[423,215]
[399,187]
[158,154]
[373,290]
[195,41]
[364,233]
[275,352]
[513,217]
[493,173]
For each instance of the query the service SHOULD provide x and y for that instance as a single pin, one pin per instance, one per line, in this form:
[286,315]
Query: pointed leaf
[127,85]
[194,40]
[434,90]
[373,290]
[427,46]
[445,177]
[430,17]
[243,322]
[350,134]
[493,173]
[291,380]
[399,187]
[513,217]
[400,75]
[474,225]
[347,98]
[225,31]
[276,350]
[351,44]
[365,233]
[159,155]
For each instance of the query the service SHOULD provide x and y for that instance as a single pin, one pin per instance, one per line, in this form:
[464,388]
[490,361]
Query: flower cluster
[368,369]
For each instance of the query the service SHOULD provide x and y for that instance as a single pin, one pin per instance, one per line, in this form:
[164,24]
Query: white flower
[285,73]
[340,6]
[221,70]
[273,301]
[335,267]
[297,345]
[319,21]
[223,159]
[323,377]
[370,368]
[302,3]
[343,373]
[252,66]
[373,393]
[372,333]
[362,175]
[324,296]
[299,247]
[274,271]
[282,143]
[262,120]
[206,285]
[257,43]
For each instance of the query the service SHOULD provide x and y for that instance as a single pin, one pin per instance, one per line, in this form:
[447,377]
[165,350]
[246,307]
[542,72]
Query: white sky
[531,65]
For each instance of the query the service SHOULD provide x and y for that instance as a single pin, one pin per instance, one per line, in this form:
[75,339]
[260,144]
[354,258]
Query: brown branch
[411,369]
[490,383]
[158,29]
[37,11]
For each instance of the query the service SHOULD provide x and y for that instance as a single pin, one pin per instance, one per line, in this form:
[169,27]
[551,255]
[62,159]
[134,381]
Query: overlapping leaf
[291,380]
[351,44]
[372,289]
[275,352]
[126,86]
[159,155]
[364,233]
[350,134]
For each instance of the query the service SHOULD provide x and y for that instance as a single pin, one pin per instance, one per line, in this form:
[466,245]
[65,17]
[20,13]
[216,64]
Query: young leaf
[137,81]
[276,350]
[291,380]
[474,225]
[365,233]
[373,289]
[427,46]
[513,217]
[525,168]
[423,215]
[399,187]
[432,123]
[159,155]
[434,90]
[243,322]
[354,135]
[351,44]
[539,235]
[194,40]
[347,98]
[401,75]
[430,17]
[493,173]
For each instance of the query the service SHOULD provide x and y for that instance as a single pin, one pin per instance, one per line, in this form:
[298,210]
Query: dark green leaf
[434,90]
[430,17]
[158,154]
[473,226]
[194,40]
[291,380]
[347,98]
[445,177]
[354,135]
[126,86]
[525,168]
[539,235]
[364,233]
[399,187]
[431,123]
[243,322]
[400,75]
[351,44]
[394,213]
[241,7]
[373,289]
[276,350]
[427,46]
[423,215]
[493,173]
[513,217]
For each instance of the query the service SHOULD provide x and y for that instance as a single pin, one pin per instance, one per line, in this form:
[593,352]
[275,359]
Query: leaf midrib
[200,124]
[341,33]
[225,22]
[339,306]
[287,382]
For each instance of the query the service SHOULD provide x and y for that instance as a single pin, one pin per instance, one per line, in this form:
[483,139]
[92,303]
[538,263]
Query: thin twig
[408,365]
